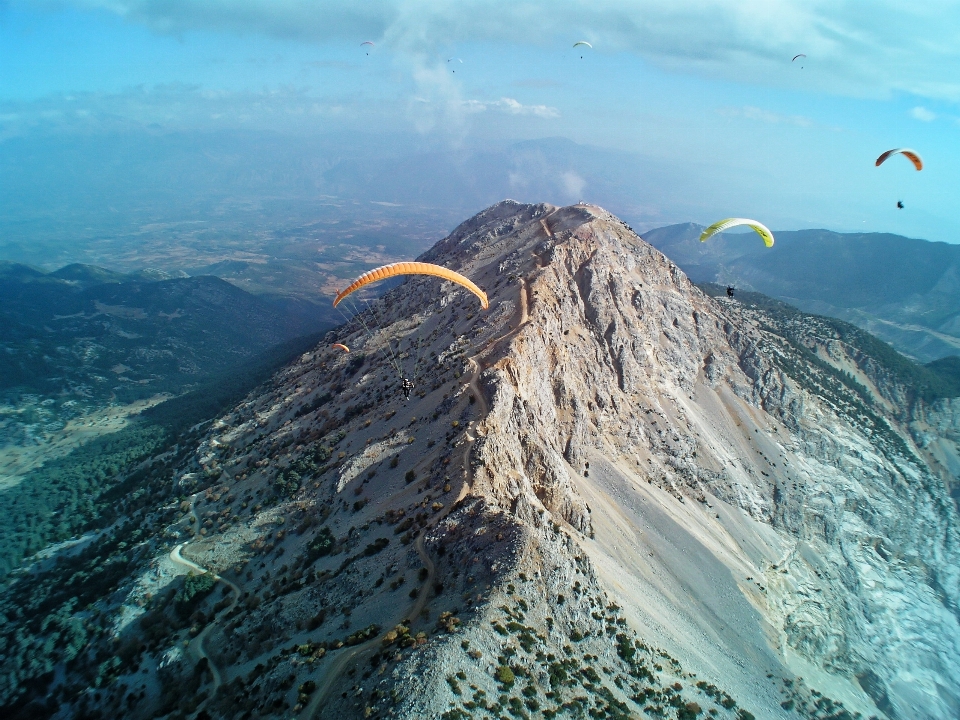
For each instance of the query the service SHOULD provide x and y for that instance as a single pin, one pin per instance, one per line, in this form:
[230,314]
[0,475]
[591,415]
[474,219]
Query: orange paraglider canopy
[341,346]
[412,268]
[911,155]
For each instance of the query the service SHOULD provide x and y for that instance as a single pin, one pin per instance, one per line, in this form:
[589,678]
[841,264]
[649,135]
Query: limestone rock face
[767,507]
[624,362]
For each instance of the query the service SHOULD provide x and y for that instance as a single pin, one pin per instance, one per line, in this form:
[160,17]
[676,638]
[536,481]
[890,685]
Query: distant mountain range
[95,333]
[903,290]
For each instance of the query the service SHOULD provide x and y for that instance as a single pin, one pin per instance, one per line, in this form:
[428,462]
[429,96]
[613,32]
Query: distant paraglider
[800,55]
[341,346]
[367,42]
[899,204]
[760,229]
[911,155]
[450,60]
[413,268]
[583,42]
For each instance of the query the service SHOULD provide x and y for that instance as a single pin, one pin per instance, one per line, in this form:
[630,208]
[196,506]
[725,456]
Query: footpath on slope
[342,662]
[197,644]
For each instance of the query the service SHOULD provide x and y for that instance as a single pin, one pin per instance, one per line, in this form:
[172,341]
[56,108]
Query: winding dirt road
[196,646]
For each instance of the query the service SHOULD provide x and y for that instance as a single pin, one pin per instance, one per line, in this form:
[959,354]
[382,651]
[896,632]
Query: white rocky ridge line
[644,441]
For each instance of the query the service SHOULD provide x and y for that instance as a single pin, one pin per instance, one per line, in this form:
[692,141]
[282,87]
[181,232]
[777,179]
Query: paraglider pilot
[899,204]
[729,291]
[407,387]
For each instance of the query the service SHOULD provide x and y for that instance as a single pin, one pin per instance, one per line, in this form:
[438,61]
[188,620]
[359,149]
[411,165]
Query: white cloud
[170,107]
[573,184]
[921,113]
[852,47]
[511,107]
[536,172]
[754,113]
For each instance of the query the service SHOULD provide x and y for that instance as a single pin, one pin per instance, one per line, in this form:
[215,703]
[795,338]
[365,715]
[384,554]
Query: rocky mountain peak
[608,491]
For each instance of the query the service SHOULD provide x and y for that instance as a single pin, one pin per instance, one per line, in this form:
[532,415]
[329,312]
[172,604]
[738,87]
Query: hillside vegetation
[928,382]
[89,334]
[97,483]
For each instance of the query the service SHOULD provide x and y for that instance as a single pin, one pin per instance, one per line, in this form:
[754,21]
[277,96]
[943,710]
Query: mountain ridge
[136,320]
[608,493]
[903,290]
[544,423]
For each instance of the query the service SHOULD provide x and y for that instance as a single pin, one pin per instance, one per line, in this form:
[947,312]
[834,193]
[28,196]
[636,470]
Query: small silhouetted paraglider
[899,204]
[583,42]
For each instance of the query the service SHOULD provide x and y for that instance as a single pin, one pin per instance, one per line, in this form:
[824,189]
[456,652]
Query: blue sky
[704,88]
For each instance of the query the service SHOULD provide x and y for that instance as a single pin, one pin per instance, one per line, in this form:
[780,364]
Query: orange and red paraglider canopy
[911,155]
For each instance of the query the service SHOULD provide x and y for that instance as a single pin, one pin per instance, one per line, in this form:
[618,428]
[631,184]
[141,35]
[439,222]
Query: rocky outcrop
[623,359]
[609,491]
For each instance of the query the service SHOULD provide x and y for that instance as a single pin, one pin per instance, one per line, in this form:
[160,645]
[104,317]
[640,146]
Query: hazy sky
[705,87]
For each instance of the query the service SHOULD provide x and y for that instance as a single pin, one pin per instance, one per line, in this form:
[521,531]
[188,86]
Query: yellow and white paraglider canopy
[759,228]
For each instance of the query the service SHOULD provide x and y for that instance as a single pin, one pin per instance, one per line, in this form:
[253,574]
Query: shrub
[376,546]
[321,545]
[195,588]
[403,526]
[362,635]
[505,675]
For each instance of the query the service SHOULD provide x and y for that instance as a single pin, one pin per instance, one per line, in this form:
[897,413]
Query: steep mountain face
[920,399]
[901,289]
[610,494]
